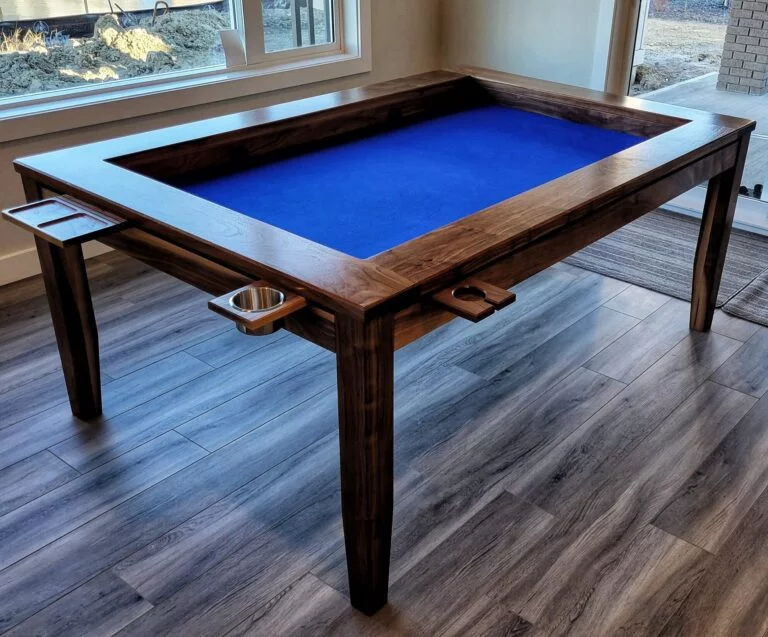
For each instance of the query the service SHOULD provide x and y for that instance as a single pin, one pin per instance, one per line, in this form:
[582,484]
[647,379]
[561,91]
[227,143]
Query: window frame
[350,54]
[253,39]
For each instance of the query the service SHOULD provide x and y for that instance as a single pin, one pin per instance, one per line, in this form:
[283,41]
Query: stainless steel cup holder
[255,300]
[258,308]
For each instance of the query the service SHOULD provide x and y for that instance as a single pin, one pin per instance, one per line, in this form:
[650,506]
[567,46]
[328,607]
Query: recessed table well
[367,195]
[365,219]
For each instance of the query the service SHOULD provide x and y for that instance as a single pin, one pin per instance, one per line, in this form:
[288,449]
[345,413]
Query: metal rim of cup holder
[257,299]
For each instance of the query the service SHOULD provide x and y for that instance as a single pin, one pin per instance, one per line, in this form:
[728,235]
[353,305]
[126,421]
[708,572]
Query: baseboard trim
[24,263]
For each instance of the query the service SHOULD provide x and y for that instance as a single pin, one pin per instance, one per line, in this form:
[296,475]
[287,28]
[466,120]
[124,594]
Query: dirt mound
[137,43]
[176,41]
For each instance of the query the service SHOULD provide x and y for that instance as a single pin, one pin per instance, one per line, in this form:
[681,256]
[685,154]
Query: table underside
[368,195]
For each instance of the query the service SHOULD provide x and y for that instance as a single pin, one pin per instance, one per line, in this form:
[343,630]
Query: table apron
[318,325]
[554,246]
[311,323]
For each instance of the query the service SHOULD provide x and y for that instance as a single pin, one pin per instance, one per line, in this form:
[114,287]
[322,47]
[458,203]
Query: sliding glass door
[710,55]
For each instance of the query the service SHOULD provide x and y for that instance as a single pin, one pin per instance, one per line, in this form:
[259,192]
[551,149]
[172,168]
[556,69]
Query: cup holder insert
[256,299]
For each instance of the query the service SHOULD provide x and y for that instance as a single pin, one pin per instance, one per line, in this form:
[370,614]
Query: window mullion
[252,28]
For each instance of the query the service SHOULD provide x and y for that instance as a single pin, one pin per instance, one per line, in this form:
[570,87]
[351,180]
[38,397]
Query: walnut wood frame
[365,309]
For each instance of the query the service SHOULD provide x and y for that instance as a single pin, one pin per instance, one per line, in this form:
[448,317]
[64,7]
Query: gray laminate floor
[579,464]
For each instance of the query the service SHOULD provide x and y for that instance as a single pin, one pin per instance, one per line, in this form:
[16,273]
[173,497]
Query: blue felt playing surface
[372,194]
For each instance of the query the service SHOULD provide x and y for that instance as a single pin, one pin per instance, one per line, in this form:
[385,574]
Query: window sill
[90,109]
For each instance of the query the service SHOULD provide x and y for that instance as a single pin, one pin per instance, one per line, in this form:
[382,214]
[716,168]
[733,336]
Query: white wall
[406,40]
[559,40]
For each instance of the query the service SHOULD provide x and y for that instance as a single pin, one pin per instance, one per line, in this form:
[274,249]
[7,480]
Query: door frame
[628,21]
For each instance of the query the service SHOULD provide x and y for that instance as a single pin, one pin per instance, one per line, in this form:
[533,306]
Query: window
[291,25]
[51,46]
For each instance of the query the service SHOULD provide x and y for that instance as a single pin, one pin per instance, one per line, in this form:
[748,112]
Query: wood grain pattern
[51,516]
[638,302]
[513,341]
[37,395]
[457,478]
[185,402]
[620,105]
[248,538]
[474,299]
[494,450]
[611,111]
[733,327]
[454,462]
[731,597]
[683,145]
[420,327]
[31,478]
[102,606]
[638,591]
[332,280]
[363,309]
[536,252]
[69,299]
[175,327]
[747,369]
[57,424]
[558,482]
[710,505]
[535,373]
[305,609]
[427,413]
[719,208]
[296,126]
[470,562]
[557,212]
[248,411]
[296,527]
[62,221]
[173,560]
[488,619]
[251,322]
[642,346]
[230,345]
[229,542]
[73,559]
[312,324]
[620,505]
[365,365]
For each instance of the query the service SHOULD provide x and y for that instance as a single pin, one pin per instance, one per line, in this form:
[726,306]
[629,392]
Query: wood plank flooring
[579,464]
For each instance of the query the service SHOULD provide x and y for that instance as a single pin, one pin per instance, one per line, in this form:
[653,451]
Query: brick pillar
[745,53]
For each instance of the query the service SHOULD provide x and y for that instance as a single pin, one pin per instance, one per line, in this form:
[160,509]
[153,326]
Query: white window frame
[55,111]
[253,39]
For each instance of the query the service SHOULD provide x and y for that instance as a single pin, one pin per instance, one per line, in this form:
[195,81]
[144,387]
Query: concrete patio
[701,93]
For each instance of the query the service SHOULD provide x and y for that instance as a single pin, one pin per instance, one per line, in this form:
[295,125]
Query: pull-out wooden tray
[63,221]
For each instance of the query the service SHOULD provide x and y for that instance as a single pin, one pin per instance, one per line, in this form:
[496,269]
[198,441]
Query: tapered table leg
[365,364]
[69,298]
[716,222]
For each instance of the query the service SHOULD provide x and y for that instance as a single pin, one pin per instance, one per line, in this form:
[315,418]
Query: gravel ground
[711,11]
[678,51]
